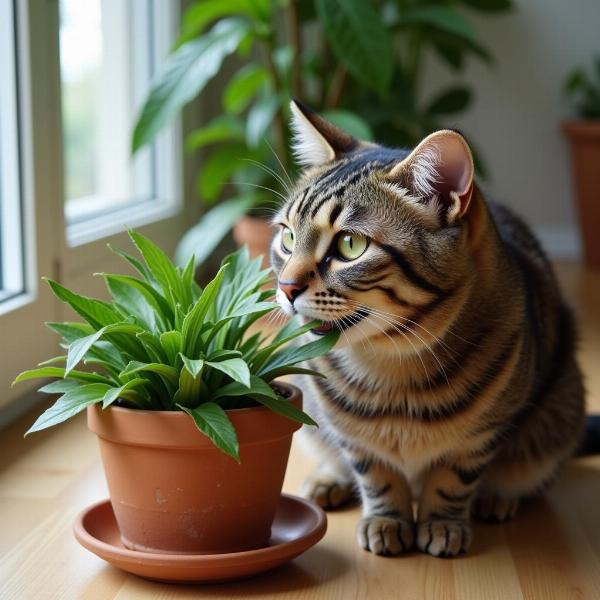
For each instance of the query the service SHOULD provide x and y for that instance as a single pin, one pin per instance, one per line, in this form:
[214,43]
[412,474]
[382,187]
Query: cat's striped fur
[454,382]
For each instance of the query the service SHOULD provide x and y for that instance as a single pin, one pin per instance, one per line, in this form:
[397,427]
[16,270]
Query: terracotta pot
[257,234]
[173,491]
[585,151]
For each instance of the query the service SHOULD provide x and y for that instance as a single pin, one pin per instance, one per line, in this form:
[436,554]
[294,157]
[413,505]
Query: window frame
[47,249]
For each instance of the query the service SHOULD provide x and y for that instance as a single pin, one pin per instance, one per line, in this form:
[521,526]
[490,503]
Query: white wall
[515,118]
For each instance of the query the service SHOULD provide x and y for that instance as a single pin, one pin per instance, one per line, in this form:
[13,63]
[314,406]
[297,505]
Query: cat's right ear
[316,141]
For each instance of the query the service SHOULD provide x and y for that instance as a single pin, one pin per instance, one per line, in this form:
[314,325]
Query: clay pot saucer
[298,525]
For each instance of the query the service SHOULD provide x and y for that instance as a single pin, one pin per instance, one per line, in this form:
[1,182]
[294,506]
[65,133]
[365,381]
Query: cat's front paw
[327,492]
[495,509]
[385,536]
[444,538]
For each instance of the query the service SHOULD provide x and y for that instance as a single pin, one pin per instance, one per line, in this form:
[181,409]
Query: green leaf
[127,391]
[59,386]
[213,421]
[243,87]
[236,368]
[287,409]
[191,387]
[287,370]
[217,169]
[132,302]
[68,405]
[195,367]
[60,372]
[194,320]
[291,355]
[443,17]
[350,122]
[489,5]
[168,372]
[260,117]
[171,343]
[359,40]
[79,348]
[450,102]
[162,270]
[96,312]
[203,237]
[155,301]
[201,14]
[258,387]
[223,128]
[184,76]
[135,263]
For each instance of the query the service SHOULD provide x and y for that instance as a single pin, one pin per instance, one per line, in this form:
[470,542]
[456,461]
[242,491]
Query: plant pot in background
[173,491]
[257,234]
[585,152]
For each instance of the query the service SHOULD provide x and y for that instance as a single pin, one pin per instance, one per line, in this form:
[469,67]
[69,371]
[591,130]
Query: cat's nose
[292,289]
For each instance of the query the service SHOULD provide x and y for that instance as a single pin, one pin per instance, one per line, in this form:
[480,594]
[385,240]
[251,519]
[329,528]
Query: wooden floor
[551,550]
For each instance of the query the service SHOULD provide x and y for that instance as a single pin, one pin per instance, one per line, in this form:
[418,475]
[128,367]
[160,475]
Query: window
[11,246]
[73,74]
[109,50]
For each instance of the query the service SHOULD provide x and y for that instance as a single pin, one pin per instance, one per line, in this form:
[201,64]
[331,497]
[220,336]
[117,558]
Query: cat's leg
[331,485]
[443,527]
[387,525]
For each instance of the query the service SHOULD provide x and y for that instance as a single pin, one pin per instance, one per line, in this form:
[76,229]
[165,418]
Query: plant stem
[336,89]
[279,129]
[296,42]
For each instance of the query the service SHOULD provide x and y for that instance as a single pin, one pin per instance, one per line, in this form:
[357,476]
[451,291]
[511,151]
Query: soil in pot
[173,491]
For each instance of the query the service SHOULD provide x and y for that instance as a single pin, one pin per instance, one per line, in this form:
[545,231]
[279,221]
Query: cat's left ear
[439,170]
[316,141]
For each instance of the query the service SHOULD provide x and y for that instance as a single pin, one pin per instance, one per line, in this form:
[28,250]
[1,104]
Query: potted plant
[194,432]
[345,59]
[584,136]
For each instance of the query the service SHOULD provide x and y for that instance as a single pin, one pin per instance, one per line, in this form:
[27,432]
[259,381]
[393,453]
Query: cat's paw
[444,538]
[385,536]
[495,509]
[327,492]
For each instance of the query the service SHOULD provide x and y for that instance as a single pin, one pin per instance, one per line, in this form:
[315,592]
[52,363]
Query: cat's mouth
[340,324]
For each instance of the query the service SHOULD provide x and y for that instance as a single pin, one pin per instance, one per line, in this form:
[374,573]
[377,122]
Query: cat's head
[373,240]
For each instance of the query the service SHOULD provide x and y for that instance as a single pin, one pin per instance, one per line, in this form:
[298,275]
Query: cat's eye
[287,239]
[351,245]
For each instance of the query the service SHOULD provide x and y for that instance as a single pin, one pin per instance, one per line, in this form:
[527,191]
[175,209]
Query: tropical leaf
[359,39]
[185,75]
[213,421]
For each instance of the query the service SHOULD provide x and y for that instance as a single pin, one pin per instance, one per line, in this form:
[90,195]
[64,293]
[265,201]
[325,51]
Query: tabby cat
[454,381]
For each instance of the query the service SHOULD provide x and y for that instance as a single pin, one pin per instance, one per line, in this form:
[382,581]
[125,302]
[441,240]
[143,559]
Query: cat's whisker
[279,161]
[382,330]
[269,170]
[434,337]
[262,187]
[405,328]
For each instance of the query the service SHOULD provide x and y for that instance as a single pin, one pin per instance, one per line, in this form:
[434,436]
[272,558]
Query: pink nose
[292,289]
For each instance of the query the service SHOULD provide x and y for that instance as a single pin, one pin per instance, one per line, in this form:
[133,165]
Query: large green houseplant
[170,359]
[358,62]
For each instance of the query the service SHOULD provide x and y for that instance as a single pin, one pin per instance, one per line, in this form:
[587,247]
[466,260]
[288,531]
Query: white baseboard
[561,242]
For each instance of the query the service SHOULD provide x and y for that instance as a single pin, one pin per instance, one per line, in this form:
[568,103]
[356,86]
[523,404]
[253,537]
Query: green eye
[351,245]
[287,239]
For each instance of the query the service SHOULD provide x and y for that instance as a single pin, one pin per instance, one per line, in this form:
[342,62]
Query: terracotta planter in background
[173,491]
[257,234]
[585,151]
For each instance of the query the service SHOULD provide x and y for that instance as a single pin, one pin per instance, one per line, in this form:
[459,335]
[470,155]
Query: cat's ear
[316,140]
[439,170]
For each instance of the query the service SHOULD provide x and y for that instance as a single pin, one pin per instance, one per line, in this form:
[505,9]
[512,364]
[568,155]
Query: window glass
[107,60]
[11,249]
